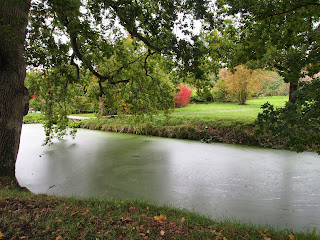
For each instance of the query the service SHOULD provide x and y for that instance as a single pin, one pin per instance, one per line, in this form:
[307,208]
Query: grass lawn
[221,111]
[24,215]
[229,111]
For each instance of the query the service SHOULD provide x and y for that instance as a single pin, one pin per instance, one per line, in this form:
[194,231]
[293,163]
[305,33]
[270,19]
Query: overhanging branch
[131,28]
[293,9]
[79,55]
[146,63]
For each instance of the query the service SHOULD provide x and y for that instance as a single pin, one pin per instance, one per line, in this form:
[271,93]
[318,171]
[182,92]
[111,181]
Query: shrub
[182,98]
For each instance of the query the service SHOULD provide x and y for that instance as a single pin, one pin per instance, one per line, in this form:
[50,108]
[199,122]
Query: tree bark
[14,100]
[292,89]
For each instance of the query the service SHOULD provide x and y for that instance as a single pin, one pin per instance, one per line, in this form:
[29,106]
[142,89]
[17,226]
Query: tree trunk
[292,89]
[14,100]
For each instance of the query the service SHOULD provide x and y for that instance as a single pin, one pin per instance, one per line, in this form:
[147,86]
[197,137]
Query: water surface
[263,186]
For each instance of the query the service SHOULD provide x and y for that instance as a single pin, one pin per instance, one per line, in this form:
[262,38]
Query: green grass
[24,215]
[33,117]
[85,114]
[229,111]
[221,111]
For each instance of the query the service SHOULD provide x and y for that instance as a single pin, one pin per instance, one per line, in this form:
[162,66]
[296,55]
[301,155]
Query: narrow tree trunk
[292,89]
[14,100]
[101,106]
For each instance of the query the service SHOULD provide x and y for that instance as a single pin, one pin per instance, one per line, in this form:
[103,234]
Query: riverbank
[213,122]
[204,130]
[24,215]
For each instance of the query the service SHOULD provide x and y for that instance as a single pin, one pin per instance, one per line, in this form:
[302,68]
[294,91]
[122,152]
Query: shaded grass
[24,215]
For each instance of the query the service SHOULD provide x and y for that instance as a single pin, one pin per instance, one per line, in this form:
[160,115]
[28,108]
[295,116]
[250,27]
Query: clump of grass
[33,117]
[24,215]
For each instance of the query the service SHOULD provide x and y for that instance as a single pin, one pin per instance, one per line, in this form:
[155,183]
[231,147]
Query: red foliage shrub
[182,98]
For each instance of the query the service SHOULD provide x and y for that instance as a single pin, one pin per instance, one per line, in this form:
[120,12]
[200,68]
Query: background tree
[242,83]
[278,34]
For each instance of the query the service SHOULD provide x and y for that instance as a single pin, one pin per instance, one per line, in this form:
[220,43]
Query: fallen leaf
[85,213]
[1,235]
[162,232]
[132,209]
[74,212]
[183,219]
[59,237]
[126,219]
[160,218]
[292,237]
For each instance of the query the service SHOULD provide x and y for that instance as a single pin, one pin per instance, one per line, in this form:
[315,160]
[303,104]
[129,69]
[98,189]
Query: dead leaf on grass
[292,237]
[85,213]
[162,233]
[160,218]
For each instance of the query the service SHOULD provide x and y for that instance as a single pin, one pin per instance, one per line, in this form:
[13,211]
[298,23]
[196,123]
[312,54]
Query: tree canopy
[122,44]
[282,35]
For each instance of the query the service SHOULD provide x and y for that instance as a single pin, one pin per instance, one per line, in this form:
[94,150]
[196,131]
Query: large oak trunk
[13,94]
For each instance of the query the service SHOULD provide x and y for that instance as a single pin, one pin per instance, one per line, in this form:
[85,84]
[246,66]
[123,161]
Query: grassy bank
[214,122]
[24,215]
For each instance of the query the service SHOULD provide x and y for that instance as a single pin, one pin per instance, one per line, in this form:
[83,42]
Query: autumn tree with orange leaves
[242,82]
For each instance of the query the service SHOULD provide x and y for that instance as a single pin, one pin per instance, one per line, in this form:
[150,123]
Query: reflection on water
[269,187]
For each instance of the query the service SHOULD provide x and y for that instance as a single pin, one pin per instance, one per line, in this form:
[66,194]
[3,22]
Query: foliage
[276,34]
[220,91]
[118,52]
[69,93]
[298,124]
[242,83]
[182,98]
[273,85]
